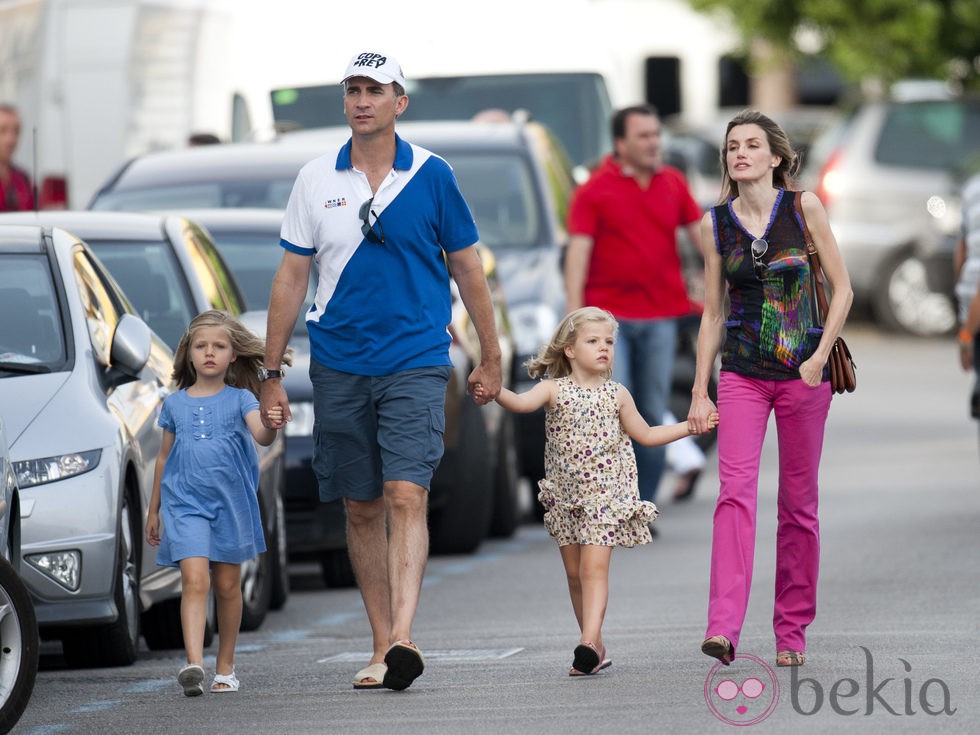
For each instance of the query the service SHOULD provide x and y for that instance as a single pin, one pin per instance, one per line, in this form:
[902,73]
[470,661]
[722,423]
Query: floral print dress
[590,491]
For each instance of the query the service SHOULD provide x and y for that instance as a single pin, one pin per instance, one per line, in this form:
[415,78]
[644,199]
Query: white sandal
[190,678]
[230,682]
[370,677]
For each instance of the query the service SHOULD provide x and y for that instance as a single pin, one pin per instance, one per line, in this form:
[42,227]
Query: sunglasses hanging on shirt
[366,229]
[759,248]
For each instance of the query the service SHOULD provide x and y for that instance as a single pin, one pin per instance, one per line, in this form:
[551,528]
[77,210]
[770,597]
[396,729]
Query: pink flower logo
[744,693]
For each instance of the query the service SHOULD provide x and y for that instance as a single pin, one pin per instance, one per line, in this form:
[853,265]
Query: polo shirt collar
[612,164]
[403,155]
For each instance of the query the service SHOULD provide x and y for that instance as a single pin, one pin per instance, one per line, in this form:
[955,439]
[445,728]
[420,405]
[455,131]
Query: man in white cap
[382,218]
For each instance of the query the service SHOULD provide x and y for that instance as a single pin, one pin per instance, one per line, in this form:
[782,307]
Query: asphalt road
[892,644]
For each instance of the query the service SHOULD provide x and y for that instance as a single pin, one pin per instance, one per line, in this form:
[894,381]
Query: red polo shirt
[635,269]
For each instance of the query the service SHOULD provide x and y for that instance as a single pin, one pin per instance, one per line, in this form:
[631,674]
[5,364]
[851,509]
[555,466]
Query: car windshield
[32,337]
[500,191]
[253,260]
[267,194]
[929,135]
[575,106]
[499,188]
[151,278]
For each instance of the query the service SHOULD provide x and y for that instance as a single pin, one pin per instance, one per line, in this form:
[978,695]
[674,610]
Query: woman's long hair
[551,361]
[249,351]
[782,175]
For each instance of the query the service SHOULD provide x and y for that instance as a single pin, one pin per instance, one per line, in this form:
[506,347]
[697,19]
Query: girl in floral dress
[590,490]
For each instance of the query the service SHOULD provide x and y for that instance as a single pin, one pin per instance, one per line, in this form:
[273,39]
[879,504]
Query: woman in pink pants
[773,360]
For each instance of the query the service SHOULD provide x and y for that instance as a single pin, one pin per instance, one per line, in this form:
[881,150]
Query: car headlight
[64,567]
[31,472]
[302,423]
[532,325]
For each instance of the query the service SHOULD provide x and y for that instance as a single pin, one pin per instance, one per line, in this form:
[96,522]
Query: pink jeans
[744,405]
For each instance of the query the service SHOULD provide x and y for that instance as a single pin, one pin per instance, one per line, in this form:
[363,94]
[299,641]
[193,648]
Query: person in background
[387,226]
[773,360]
[623,256]
[966,262]
[687,461]
[16,190]
[590,488]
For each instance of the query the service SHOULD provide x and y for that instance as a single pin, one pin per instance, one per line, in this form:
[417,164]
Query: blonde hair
[551,361]
[249,351]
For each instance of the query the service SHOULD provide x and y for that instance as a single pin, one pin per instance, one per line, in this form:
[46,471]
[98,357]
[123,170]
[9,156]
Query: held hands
[702,416]
[273,405]
[710,423]
[275,417]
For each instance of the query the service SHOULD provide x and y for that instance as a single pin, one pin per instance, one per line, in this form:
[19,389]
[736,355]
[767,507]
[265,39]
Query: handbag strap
[816,271]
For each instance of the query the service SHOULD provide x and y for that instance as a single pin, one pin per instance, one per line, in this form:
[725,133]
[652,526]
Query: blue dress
[208,494]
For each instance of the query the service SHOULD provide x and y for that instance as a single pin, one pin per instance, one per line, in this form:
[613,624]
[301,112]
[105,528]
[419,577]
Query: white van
[100,81]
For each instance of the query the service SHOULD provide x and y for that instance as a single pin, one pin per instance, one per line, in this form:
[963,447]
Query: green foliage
[884,39]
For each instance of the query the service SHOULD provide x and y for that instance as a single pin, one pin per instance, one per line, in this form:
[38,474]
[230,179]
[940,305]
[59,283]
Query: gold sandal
[790,658]
[719,647]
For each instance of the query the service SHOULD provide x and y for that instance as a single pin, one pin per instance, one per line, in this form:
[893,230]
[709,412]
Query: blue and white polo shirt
[379,308]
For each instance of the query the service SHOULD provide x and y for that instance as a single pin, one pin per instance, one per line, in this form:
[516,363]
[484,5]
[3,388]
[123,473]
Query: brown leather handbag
[841,364]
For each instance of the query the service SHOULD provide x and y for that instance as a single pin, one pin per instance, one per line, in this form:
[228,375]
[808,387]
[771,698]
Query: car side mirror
[130,349]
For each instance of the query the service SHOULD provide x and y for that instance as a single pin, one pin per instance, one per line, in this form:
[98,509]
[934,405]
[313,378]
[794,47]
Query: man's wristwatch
[265,373]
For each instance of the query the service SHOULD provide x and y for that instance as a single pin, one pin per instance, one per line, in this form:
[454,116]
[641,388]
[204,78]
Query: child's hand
[152,529]
[275,416]
[713,420]
[479,391]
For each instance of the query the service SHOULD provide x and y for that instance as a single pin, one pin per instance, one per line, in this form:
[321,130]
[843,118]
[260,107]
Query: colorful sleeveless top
[772,325]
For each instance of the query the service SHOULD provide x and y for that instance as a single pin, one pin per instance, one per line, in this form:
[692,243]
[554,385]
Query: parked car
[171,270]
[82,378]
[18,624]
[884,171]
[460,502]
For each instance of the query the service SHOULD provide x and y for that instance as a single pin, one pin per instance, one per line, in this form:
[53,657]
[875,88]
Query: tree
[881,39]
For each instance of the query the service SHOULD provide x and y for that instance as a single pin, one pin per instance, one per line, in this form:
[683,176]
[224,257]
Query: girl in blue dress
[204,512]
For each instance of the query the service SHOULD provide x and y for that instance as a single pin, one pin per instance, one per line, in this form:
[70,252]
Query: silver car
[18,626]
[885,174]
[82,379]
[170,270]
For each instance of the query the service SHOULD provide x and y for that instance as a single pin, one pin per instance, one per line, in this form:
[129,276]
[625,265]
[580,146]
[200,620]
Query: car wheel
[19,659]
[279,572]
[506,486]
[904,300]
[336,568]
[256,591]
[462,521]
[117,643]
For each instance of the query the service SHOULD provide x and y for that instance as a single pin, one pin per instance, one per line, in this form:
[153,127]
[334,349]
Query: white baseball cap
[374,65]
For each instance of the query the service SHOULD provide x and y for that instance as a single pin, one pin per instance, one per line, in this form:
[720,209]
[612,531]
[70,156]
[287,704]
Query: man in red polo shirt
[16,193]
[622,256]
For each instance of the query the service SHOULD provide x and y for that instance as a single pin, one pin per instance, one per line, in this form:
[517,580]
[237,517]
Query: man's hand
[484,382]
[274,405]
